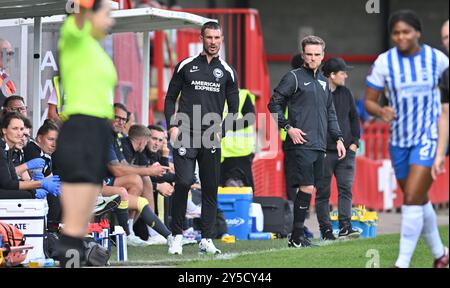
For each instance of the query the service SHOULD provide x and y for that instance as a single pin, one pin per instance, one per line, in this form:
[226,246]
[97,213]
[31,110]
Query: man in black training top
[311,115]
[205,82]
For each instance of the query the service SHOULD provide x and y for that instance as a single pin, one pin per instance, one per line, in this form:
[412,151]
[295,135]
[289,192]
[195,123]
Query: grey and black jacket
[310,108]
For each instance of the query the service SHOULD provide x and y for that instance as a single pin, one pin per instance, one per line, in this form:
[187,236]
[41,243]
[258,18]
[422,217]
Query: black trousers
[209,170]
[289,174]
[344,171]
[54,212]
[16,194]
[244,163]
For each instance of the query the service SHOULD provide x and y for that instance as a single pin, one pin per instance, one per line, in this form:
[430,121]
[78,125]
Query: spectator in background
[55,102]
[238,145]
[335,69]
[131,120]
[297,61]
[15,103]
[7,86]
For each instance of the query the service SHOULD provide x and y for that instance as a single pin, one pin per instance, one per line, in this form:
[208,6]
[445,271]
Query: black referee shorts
[82,149]
[309,167]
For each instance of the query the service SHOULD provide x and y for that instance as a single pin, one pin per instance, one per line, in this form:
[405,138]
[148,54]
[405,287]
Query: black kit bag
[278,215]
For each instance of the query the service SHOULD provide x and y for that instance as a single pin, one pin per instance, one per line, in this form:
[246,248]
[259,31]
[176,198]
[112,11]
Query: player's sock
[412,224]
[122,216]
[431,232]
[150,218]
[130,226]
[301,206]
[152,232]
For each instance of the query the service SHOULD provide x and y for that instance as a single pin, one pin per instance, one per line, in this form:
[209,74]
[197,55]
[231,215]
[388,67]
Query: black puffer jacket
[310,108]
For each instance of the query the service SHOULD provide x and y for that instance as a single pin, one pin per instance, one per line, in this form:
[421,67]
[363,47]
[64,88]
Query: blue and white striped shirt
[411,86]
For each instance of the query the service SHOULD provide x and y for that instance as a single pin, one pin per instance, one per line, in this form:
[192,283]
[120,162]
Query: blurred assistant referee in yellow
[89,77]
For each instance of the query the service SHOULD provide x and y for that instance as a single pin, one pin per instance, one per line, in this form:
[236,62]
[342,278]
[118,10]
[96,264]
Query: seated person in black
[133,148]
[12,128]
[18,157]
[43,147]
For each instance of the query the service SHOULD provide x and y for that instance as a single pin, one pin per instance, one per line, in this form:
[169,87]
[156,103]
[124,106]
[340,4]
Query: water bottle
[121,241]
[261,236]
[104,236]
[256,217]
[41,263]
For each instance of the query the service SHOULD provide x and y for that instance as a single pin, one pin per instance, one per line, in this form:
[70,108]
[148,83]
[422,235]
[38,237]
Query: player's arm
[375,85]
[373,107]
[118,169]
[354,121]
[443,131]
[53,113]
[443,124]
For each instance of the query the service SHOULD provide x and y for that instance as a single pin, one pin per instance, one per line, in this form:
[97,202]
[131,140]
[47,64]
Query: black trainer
[348,233]
[328,235]
[302,241]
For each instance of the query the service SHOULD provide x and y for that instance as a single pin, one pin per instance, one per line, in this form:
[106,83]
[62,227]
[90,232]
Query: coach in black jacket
[344,170]
[311,115]
[201,83]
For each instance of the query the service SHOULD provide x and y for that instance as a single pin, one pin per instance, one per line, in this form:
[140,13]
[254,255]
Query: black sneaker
[348,233]
[300,242]
[328,235]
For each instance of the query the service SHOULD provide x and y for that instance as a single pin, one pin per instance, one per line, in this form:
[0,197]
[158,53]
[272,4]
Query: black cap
[334,65]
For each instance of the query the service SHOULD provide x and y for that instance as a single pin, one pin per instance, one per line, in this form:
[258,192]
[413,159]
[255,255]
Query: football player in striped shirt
[409,75]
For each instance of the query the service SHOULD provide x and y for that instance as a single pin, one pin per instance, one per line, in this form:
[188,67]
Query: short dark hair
[6,120]
[297,61]
[12,98]
[97,5]
[27,123]
[312,40]
[155,127]
[49,125]
[121,107]
[210,25]
[138,130]
[408,16]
